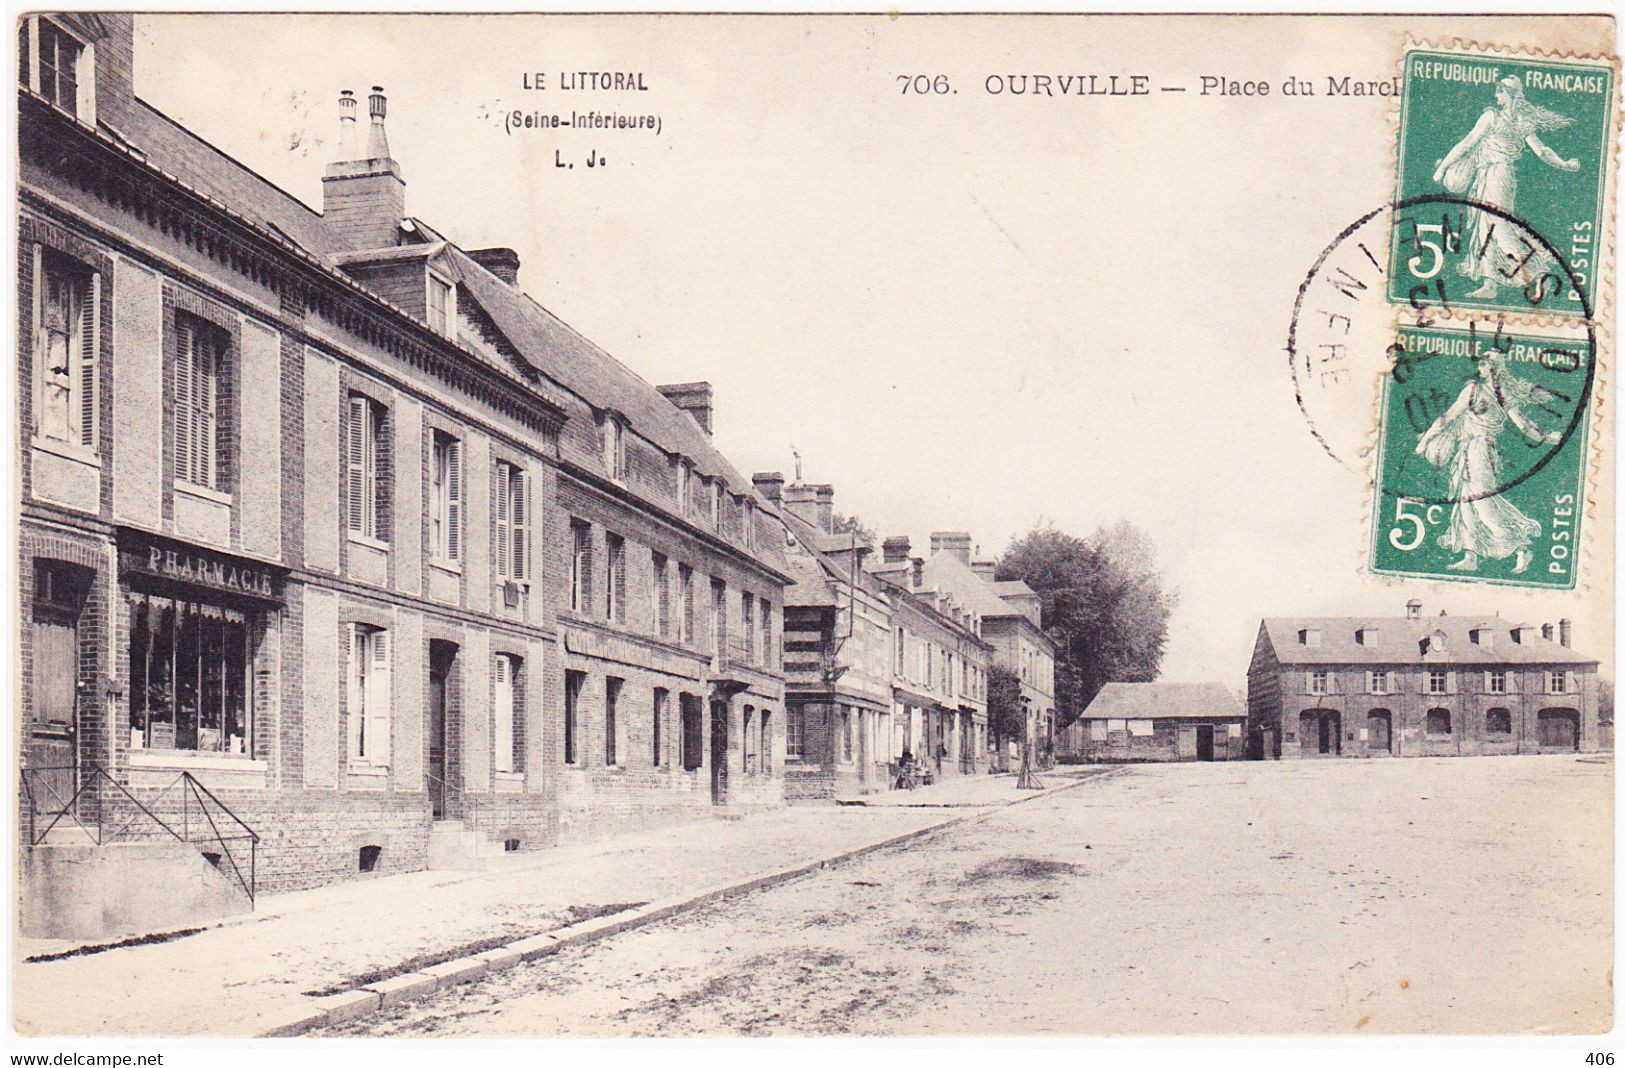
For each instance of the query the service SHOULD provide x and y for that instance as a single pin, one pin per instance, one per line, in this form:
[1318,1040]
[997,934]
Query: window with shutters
[580,567]
[614,448]
[367,695]
[748,624]
[508,715]
[1318,681]
[769,647]
[716,505]
[1377,682]
[1497,681]
[684,487]
[685,582]
[1438,681]
[366,458]
[446,500]
[658,725]
[662,575]
[750,523]
[1557,682]
[67,340]
[719,617]
[615,578]
[199,396]
[900,641]
[55,64]
[574,681]
[513,523]
[442,305]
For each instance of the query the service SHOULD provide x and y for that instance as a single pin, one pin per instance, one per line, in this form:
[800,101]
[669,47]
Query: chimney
[894,550]
[956,542]
[803,501]
[502,262]
[826,508]
[985,569]
[916,572]
[693,398]
[770,484]
[1546,631]
[1565,632]
[1413,609]
[364,197]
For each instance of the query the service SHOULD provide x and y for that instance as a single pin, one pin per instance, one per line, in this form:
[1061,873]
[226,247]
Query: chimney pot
[1565,632]
[956,542]
[894,549]
[770,484]
[363,194]
[1546,631]
[502,262]
[825,496]
[916,572]
[693,398]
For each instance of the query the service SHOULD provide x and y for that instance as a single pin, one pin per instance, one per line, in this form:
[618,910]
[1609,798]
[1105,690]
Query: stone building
[837,628]
[322,516]
[1157,721]
[1418,685]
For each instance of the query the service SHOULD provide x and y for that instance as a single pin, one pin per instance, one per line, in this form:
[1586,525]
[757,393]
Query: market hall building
[1324,687]
[334,541]
[1157,721]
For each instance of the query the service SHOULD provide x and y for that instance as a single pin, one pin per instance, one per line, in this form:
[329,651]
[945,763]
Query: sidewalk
[248,975]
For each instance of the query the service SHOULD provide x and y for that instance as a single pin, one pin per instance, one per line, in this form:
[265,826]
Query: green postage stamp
[1502,174]
[1481,457]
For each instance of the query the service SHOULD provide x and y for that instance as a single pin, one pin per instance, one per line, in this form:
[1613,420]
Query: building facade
[321,511]
[1156,721]
[1418,686]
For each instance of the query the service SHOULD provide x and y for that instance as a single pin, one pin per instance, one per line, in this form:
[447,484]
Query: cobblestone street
[1331,897]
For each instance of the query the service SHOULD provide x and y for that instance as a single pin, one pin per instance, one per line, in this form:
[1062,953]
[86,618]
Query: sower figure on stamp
[1483,523]
[1483,166]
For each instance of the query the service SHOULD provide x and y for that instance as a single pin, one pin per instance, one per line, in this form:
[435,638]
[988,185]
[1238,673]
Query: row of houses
[329,532]
[1326,687]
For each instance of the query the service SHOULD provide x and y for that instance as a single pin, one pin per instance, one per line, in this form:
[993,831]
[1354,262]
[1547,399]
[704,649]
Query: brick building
[1157,721]
[1418,686]
[837,629]
[321,510]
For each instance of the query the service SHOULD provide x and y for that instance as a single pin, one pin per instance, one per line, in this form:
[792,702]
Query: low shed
[1158,721]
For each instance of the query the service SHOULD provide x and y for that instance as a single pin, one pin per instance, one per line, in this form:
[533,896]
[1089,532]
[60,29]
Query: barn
[1146,721]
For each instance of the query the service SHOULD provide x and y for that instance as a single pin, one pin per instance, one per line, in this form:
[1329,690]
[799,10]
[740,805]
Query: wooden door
[52,753]
[437,737]
[1187,743]
[1379,732]
[1204,742]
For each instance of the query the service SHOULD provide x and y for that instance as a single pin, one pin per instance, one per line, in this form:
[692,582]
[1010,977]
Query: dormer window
[1366,636]
[1309,637]
[750,523]
[56,65]
[684,486]
[614,448]
[442,305]
[716,504]
[1483,636]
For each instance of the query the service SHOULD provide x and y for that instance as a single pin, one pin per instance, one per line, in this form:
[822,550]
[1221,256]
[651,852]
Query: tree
[846,524]
[1006,719]
[1104,604]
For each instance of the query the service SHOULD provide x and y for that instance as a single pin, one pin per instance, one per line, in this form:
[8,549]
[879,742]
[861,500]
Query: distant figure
[1483,166]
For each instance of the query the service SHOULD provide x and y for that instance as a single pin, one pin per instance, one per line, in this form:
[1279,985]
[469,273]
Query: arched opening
[1379,731]
[1438,723]
[1560,729]
[1498,723]
[369,857]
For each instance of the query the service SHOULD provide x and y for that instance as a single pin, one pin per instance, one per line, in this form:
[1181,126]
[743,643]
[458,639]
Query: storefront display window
[189,681]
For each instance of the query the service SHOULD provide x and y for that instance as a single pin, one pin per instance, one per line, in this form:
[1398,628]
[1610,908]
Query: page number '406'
[1600,1058]
[1410,527]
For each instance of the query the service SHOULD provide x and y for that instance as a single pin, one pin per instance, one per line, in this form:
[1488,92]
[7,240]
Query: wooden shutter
[355,459]
[1512,681]
[1450,682]
[354,700]
[504,714]
[1487,681]
[519,485]
[183,401]
[504,520]
[1570,683]
[453,505]
[89,346]
[378,699]
[205,378]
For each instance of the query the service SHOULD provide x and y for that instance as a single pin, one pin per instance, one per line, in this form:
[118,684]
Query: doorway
[1204,741]
[1560,729]
[53,759]
[442,659]
[1379,731]
[719,752]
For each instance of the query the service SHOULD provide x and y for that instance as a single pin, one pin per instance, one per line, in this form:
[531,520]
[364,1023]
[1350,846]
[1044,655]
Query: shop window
[66,345]
[446,499]
[513,523]
[1498,721]
[1438,723]
[366,461]
[200,396]
[573,682]
[368,695]
[189,676]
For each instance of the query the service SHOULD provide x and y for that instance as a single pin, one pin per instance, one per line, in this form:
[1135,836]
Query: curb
[313,1012]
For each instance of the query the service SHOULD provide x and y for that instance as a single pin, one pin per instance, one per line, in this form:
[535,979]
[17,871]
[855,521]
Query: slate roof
[1398,640]
[1163,700]
[946,572]
[817,577]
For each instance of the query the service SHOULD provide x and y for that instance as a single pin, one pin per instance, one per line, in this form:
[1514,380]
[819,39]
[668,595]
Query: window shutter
[1570,683]
[205,365]
[504,520]
[183,401]
[354,702]
[355,464]
[1450,682]
[378,700]
[520,486]
[88,348]
[454,500]
[586,571]
[1487,681]
[1512,681]
[504,715]
[38,309]
[1308,682]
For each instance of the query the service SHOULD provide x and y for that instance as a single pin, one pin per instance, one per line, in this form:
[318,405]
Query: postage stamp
[1481,457]
[1516,148]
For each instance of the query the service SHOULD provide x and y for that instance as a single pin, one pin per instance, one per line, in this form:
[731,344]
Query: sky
[965,310]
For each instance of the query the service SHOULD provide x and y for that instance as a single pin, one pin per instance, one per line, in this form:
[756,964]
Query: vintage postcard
[541,526]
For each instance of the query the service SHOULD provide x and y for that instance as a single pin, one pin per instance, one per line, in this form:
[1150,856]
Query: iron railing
[441,793]
[136,819]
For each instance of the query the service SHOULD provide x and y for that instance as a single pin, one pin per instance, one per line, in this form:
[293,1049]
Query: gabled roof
[1163,700]
[817,576]
[948,573]
[1399,640]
